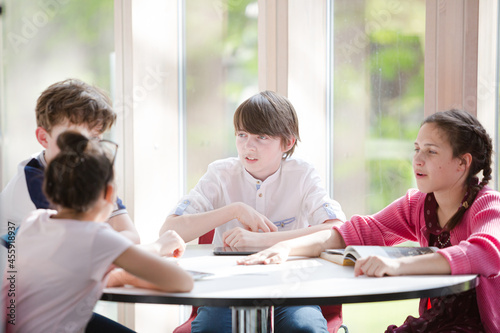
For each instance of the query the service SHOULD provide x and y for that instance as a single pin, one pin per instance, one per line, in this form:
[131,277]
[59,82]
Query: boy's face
[260,154]
[49,140]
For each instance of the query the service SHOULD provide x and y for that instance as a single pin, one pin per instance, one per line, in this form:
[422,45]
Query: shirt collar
[258,182]
[41,159]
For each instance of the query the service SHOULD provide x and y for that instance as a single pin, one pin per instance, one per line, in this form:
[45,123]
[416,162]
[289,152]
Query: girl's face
[435,168]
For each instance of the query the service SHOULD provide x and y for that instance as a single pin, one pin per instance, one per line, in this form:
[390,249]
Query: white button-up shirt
[292,197]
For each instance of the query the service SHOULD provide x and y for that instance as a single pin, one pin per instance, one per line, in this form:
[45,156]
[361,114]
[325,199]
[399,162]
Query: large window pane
[378,106]
[378,99]
[221,72]
[45,42]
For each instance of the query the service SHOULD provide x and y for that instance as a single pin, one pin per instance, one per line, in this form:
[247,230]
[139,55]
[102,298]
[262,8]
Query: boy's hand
[276,254]
[376,266]
[252,219]
[169,244]
[239,237]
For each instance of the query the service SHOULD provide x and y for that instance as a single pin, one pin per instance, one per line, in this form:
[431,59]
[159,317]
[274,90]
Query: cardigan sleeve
[395,224]
[477,238]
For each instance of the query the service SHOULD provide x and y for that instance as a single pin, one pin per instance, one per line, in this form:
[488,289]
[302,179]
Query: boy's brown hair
[268,113]
[76,102]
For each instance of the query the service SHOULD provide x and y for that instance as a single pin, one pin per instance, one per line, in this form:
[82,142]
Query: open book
[350,254]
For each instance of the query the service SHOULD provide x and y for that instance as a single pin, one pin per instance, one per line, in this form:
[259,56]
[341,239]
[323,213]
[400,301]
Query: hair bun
[72,141]
[77,176]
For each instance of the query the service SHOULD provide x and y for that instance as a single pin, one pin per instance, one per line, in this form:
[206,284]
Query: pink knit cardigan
[475,242]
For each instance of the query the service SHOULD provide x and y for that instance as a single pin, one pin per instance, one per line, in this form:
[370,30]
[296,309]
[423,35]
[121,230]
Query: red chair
[332,313]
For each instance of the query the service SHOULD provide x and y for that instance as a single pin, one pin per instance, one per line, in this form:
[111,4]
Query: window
[379,91]
[221,72]
[356,80]
[45,42]
[374,82]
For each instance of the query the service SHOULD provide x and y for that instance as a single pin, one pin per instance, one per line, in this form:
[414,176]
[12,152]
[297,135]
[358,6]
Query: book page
[388,251]
[335,251]
[398,252]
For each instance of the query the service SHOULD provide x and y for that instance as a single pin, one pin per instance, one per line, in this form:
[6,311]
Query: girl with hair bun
[453,209]
[64,257]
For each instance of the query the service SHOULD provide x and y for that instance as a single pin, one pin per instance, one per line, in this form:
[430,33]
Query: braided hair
[466,135]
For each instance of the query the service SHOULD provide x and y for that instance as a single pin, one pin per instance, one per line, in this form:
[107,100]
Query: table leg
[253,319]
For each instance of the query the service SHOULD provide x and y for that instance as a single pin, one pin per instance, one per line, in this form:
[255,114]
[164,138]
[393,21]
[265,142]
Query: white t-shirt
[60,271]
[292,197]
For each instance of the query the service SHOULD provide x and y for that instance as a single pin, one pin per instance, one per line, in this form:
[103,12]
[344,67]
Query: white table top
[299,281]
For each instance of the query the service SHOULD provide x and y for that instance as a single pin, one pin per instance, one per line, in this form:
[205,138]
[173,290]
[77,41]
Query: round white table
[253,291]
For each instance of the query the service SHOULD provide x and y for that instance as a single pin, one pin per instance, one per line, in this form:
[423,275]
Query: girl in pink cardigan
[451,210]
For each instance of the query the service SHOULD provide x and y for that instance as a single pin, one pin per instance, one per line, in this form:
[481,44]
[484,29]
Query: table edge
[115,296]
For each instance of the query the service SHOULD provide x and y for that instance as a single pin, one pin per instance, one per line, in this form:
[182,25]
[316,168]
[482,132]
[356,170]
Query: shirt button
[260,195]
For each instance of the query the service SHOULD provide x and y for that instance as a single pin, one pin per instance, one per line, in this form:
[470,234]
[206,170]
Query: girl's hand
[239,237]
[252,219]
[118,278]
[170,244]
[276,254]
[376,266]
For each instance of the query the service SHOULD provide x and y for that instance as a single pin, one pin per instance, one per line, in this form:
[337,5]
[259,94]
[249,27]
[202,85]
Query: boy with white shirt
[261,190]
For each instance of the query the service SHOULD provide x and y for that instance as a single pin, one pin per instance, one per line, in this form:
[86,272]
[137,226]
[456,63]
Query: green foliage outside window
[396,66]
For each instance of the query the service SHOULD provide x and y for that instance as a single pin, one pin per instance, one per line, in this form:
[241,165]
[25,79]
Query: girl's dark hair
[79,173]
[466,135]
[268,113]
